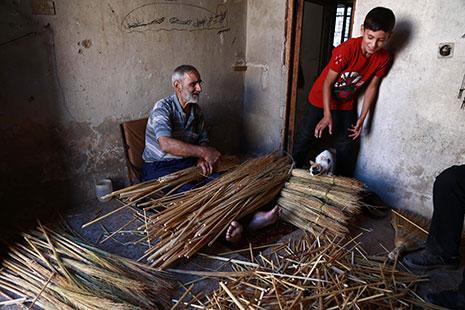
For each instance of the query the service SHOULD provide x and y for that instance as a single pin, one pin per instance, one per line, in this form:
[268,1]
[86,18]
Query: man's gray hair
[178,73]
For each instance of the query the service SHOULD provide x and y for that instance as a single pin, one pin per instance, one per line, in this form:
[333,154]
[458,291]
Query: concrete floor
[377,239]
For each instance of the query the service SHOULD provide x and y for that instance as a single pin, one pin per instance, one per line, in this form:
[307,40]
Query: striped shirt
[168,119]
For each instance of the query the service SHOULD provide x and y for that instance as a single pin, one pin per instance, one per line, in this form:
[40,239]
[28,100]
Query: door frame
[293,37]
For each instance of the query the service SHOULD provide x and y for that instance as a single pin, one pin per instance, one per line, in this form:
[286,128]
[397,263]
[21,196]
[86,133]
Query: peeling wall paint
[68,80]
[418,128]
[67,85]
[265,78]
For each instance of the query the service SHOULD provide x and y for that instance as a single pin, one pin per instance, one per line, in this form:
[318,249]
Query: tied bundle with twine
[198,217]
[318,203]
[313,272]
[55,270]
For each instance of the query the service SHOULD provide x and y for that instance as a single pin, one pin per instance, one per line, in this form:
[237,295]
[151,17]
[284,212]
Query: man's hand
[183,149]
[206,168]
[210,155]
[356,129]
[326,121]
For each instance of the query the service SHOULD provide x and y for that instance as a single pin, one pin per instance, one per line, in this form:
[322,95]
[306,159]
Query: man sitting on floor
[176,138]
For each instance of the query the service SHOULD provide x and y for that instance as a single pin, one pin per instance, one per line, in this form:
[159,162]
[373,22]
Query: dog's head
[323,164]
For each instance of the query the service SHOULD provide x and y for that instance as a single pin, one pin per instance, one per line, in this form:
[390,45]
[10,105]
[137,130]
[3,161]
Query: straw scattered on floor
[55,270]
[315,272]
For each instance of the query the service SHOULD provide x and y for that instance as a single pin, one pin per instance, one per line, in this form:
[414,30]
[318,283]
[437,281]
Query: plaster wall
[266,76]
[418,128]
[68,80]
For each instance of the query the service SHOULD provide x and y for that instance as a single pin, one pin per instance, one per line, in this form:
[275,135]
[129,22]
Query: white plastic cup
[103,187]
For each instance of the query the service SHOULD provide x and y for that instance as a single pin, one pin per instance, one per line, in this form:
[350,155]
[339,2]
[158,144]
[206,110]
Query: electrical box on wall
[445,50]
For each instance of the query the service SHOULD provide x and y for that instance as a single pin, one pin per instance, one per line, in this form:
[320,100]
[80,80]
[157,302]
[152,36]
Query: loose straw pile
[54,270]
[163,185]
[196,218]
[311,273]
[319,203]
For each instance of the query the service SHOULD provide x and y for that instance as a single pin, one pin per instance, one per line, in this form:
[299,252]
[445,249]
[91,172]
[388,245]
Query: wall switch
[43,7]
[446,50]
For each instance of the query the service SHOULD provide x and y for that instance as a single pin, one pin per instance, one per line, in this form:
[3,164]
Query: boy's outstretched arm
[370,96]
[327,120]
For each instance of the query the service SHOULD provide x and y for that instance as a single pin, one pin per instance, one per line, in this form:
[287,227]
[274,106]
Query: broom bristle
[410,232]
[55,270]
[198,218]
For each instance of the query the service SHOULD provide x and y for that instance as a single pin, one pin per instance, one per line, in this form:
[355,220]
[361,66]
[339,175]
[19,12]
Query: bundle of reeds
[350,184]
[321,203]
[159,187]
[196,218]
[314,272]
[55,270]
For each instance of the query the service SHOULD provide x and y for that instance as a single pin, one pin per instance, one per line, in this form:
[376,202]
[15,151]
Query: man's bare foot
[234,232]
[263,219]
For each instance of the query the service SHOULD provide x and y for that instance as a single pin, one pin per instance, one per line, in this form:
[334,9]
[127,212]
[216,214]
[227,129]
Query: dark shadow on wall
[397,43]
[33,164]
[400,37]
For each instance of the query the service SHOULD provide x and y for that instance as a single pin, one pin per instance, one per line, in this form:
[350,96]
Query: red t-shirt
[354,70]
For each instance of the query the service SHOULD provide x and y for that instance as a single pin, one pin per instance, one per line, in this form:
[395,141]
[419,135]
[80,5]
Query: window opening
[342,25]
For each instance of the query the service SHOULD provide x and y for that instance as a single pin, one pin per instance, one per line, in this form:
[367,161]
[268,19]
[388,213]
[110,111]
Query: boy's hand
[326,121]
[356,129]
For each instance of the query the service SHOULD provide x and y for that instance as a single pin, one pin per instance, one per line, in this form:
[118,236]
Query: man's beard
[191,97]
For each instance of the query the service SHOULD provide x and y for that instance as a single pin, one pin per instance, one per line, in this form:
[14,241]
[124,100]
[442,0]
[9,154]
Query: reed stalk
[54,270]
[197,218]
[323,204]
[314,272]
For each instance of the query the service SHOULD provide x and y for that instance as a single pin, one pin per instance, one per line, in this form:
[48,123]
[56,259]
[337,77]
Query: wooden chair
[133,133]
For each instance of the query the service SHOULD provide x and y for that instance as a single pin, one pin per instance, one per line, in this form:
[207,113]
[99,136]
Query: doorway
[319,27]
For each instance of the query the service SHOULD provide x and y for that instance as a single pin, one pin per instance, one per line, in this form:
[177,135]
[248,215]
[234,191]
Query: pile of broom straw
[198,217]
[411,231]
[314,272]
[164,185]
[55,270]
[318,203]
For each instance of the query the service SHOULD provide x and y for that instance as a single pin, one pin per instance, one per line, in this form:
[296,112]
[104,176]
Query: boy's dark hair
[380,18]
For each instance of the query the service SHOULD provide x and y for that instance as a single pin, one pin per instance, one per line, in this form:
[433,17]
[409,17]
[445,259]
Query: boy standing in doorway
[355,64]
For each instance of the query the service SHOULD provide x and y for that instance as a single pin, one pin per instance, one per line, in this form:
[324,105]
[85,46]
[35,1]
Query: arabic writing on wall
[174,16]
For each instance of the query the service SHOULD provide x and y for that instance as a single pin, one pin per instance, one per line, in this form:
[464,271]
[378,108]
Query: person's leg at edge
[306,134]
[452,299]
[449,208]
[443,242]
